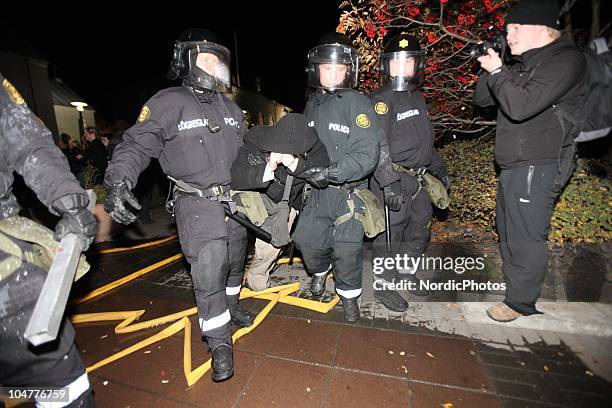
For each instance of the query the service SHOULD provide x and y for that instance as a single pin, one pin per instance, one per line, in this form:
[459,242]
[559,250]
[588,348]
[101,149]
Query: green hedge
[90,174]
[582,213]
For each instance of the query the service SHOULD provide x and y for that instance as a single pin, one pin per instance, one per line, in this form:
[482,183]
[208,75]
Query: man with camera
[533,146]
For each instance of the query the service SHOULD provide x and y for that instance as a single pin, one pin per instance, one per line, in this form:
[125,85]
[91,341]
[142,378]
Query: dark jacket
[249,166]
[344,121]
[96,155]
[115,141]
[407,134]
[175,128]
[528,130]
[27,147]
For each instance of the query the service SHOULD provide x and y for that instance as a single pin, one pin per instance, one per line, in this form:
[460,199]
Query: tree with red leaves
[447,30]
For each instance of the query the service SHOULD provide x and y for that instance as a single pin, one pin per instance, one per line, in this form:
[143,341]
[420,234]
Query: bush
[472,170]
[90,175]
[582,213]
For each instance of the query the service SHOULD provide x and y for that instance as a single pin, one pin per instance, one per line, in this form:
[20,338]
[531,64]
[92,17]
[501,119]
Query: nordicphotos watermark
[450,285]
[407,265]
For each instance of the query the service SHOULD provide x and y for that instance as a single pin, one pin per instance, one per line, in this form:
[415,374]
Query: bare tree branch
[567,6]
[595,18]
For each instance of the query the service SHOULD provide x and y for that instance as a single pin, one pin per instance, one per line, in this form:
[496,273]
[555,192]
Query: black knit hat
[535,12]
[291,135]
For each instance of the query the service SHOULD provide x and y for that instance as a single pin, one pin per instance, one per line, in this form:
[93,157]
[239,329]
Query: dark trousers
[410,226]
[55,364]
[324,244]
[525,201]
[216,250]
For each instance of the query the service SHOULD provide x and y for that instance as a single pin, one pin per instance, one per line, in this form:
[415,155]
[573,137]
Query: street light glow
[79,105]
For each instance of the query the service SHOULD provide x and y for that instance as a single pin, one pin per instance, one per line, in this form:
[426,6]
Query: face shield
[333,66]
[402,70]
[209,65]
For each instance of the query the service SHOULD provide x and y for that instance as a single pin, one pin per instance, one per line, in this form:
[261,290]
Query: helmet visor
[333,54]
[403,67]
[333,66]
[213,59]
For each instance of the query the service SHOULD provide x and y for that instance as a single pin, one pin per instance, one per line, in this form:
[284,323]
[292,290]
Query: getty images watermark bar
[408,265]
[40,394]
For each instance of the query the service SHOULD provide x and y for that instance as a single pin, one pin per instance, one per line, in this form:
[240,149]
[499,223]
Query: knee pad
[212,267]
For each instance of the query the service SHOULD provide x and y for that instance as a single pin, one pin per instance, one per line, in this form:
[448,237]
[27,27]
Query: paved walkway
[436,354]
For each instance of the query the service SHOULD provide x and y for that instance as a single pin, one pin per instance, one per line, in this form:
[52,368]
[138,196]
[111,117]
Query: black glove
[393,199]
[76,219]
[320,177]
[441,173]
[114,205]
[446,181]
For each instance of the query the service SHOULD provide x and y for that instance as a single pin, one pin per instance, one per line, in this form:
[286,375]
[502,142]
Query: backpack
[595,117]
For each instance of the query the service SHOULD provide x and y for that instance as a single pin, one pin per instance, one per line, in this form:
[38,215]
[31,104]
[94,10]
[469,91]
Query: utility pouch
[251,204]
[44,246]
[436,190]
[373,219]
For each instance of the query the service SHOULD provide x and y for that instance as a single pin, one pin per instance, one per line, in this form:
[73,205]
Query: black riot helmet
[402,62]
[333,49]
[212,71]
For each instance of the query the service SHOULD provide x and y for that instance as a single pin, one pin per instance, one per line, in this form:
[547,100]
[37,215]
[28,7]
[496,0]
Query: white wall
[68,120]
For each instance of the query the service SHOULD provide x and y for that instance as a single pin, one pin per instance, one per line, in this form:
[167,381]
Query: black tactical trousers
[525,201]
[325,245]
[216,250]
[55,364]
[409,227]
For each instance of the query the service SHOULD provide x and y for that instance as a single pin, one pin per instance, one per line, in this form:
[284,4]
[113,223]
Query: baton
[47,315]
[259,232]
[387,229]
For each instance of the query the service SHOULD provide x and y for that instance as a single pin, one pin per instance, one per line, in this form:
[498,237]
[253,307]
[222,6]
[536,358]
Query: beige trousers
[264,260]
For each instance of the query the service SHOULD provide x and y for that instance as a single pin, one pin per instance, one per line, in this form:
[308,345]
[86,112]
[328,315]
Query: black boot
[222,362]
[351,309]
[317,284]
[240,316]
[391,300]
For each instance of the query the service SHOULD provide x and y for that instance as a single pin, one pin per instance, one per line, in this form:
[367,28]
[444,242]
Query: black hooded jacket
[286,137]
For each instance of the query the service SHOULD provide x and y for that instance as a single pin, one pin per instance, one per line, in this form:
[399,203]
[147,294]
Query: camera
[496,41]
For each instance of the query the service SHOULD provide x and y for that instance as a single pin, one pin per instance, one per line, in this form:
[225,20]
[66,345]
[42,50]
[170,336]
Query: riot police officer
[26,147]
[328,234]
[407,141]
[195,132]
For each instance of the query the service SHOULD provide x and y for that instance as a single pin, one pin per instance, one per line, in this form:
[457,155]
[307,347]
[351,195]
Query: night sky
[117,61]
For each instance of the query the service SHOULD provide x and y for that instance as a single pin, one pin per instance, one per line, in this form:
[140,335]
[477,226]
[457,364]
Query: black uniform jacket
[176,126]
[26,146]
[344,121]
[407,137]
